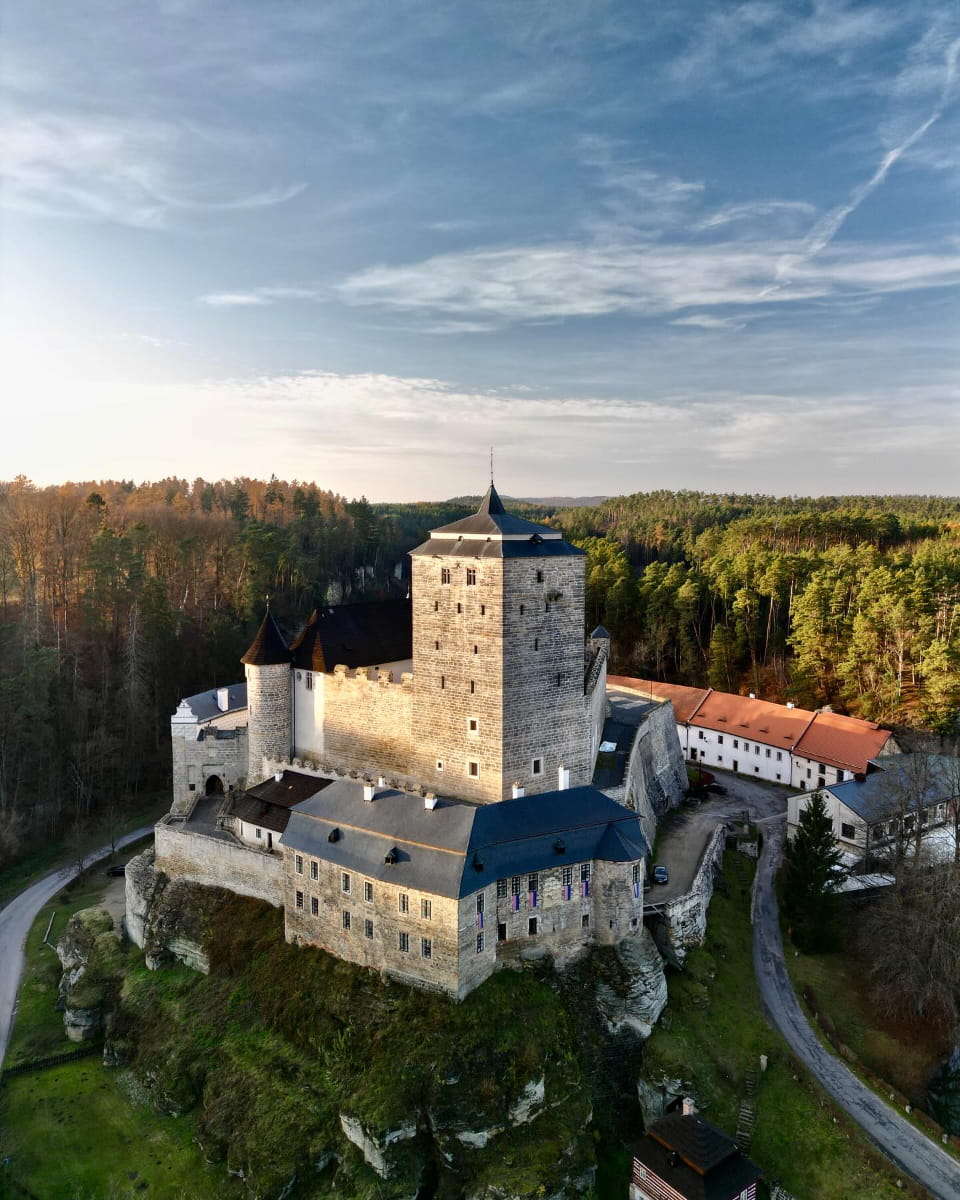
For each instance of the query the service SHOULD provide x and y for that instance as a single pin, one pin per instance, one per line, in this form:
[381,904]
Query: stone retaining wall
[215,862]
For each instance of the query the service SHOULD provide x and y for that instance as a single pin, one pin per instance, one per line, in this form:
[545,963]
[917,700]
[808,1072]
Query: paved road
[915,1154]
[16,919]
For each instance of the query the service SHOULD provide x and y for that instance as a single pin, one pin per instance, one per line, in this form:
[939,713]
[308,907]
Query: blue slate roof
[458,848]
[905,782]
[204,705]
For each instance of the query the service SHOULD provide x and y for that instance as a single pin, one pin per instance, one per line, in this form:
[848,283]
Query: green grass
[714,1031]
[75,1132]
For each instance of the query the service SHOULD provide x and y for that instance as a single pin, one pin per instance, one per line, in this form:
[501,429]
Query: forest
[117,599]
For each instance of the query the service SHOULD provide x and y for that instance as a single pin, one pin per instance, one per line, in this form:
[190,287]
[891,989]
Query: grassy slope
[714,1031]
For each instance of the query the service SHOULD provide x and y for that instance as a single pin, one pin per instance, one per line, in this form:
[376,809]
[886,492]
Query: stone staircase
[747,1118]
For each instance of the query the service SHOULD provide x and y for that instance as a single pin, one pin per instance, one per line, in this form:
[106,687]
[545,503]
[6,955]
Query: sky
[629,245]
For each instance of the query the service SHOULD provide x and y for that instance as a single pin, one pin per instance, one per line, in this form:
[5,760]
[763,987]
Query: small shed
[684,1157]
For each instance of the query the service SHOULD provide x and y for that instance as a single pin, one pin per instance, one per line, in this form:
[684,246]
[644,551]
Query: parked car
[717,788]
[121,870]
[661,875]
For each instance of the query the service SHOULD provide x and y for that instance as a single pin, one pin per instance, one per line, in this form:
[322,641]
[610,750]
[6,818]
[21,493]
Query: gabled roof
[269,647]
[838,741]
[356,635]
[905,783]
[458,848]
[268,804]
[695,1159]
[206,705]
[492,532]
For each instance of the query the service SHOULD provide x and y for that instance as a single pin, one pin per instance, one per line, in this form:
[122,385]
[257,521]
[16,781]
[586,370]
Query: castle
[413,781]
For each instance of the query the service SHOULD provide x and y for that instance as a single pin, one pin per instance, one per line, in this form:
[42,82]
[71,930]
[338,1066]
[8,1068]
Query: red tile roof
[825,737]
[839,741]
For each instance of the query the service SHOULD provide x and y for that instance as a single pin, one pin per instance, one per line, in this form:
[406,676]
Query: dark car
[717,788]
[117,870]
[661,875]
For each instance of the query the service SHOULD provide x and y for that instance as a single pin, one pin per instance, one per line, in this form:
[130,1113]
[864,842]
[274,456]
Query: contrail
[827,228]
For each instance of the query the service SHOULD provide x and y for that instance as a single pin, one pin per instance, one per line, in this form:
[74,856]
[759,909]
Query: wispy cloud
[133,171]
[530,283]
[258,297]
[705,321]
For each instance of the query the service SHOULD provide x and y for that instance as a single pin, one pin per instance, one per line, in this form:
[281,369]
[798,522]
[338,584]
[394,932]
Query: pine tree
[811,872]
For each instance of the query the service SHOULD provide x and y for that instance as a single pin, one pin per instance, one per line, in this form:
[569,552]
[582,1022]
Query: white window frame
[473,768]
[536,767]
[345,882]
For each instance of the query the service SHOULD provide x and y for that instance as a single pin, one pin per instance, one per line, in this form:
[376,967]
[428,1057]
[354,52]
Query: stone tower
[267,667]
[498,657]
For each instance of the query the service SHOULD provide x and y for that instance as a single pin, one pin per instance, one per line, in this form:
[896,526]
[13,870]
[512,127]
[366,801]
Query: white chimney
[517,791]
[564,779]
[790,704]
[381,781]
[689,1108]
[753,695]
[278,776]
[430,802]
[368,792]
[223,699]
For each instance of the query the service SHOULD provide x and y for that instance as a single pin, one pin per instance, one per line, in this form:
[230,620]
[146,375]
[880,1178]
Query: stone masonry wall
[217,862]
[544,710]
[268,706]
[655,778]
[683,923]
[381,950]
[368,721]
[458,668]
[196,759]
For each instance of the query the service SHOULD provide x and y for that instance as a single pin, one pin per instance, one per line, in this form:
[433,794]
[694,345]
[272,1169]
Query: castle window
[426,948]
[367,890]
[258,833]
[439,764]
[403,902]
[736,744]
[473,725]
[483,610]
[768,752]
[536,643]
[539,577]
[345,883]
[501,889]
[533,882]
[404,943]
[479,943]
[436,645]
[700,735]
[192,787]
[584,872]
[533,926]
[299,899]
[368,928]
[436,606]
[314,869]
[443,681]
[502,931]
[585,921]
[521,610]
[444,574]
[459,608]
[848,832]
[476,649]
[779,756]
[480,902]
[515,885]
[314,906]
[345,918]
[546,606]
[309,681]
[298,864]
[471,575]
[720,739]
[538,766]
[426,909]
[473,769]
[473,687]
[559,680]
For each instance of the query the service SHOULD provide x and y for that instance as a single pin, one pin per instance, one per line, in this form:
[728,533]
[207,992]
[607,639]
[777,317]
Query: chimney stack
[564,783]
[517,791]
[278,776]
[368,793]
[689,1108]
[430,801]
[223,699]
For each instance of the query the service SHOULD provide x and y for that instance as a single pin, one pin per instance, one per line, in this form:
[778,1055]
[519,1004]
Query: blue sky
[631,245]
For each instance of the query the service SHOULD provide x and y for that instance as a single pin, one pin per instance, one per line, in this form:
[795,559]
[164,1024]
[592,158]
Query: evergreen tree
[811,873]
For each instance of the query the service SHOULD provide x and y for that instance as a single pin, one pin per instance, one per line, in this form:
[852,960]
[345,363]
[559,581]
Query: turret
[267,667]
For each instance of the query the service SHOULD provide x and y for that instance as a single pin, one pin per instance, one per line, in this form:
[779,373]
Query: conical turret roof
[269,647]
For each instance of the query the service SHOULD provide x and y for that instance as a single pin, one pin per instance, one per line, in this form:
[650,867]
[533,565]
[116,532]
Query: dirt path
[910,1150]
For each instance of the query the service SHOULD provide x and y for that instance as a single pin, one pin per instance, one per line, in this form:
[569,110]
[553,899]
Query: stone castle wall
[268,709]
[368,721]
[218,862]
[220,751]
[655,778]
[458,675]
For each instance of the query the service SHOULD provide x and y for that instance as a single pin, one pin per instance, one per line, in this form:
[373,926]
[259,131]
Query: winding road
[17,917]
[910,1150]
